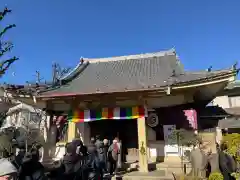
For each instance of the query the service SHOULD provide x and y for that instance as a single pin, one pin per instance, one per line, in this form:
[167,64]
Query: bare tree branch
[6,29]
[4,13]
[6,64]
[7,46]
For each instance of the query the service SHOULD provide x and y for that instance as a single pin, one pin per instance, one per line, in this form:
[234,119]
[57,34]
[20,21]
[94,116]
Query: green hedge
[216,176]
[233,145]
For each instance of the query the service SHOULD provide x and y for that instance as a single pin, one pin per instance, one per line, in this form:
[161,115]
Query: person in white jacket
[7,170]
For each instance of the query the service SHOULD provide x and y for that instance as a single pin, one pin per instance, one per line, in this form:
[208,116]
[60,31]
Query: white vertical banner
[171,146]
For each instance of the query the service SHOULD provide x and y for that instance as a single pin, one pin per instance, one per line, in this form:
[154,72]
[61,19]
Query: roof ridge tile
[131,57]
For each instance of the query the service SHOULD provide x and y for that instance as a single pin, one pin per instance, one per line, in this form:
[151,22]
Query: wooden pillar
[83,132]
[72,131]
[142,145]
[46,146]
[72,127]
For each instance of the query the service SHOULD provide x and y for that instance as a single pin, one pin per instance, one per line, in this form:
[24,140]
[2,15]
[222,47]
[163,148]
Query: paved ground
[154,175]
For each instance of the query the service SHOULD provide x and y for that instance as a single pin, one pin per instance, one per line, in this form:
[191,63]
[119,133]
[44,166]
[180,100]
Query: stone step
[167,167]
[144,178]
[177,165]
[177,168]
[154,175]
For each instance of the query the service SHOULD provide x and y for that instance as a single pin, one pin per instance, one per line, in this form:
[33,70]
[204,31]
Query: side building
[224,110]
[229,97]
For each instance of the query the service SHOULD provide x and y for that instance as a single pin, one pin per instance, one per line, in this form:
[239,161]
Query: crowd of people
[95,160]
[91,162]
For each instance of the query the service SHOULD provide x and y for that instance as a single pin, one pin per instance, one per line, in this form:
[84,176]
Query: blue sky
[204,33]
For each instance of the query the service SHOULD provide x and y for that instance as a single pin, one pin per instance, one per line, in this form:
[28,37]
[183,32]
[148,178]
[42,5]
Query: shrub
[185,137]
[185,177]
[233,145]
[216,176]
[235,175]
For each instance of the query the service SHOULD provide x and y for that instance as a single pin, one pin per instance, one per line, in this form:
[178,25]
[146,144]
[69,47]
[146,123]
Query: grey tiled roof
[235,111]
[231,122]
[129,73]
[232,85]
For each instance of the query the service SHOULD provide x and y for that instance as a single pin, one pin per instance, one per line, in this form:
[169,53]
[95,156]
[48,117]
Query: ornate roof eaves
[77,70]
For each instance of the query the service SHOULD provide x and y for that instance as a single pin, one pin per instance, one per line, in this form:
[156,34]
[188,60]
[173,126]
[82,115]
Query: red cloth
[61,120]
[115,148]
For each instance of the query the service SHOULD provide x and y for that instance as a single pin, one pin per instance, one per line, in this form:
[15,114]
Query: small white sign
[171,145]
[171,148]
[153,152]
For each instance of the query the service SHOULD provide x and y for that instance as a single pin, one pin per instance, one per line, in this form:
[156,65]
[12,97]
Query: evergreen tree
[5,45]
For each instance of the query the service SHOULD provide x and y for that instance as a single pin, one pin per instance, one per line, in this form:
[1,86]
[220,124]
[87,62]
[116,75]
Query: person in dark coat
[81,149]
[19,158]
[93,163]
[71,162]
[98,139]
[226,163]
[91,148]
[31,167]
[100,150]
[99,146]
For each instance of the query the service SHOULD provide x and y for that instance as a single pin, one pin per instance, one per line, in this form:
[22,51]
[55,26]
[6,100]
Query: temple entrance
[125,130]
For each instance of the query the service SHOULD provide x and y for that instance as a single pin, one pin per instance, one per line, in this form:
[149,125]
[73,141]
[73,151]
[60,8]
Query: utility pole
[38,77]
[54,73]
[58,72]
